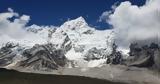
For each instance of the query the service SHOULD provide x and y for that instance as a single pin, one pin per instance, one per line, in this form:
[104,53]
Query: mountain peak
[81,19]
[75,23]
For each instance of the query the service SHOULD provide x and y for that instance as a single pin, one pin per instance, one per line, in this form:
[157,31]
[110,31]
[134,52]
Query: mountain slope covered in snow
[80,44]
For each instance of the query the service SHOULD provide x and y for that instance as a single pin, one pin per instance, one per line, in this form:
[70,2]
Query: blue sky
[56,12]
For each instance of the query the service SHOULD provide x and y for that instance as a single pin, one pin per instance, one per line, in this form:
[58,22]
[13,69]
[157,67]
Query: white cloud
[15,31]
[12,29]
[132,23]
[105,16]
[25,18]
[10,10]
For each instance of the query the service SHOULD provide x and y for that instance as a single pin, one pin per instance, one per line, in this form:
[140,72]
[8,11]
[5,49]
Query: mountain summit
[76,23]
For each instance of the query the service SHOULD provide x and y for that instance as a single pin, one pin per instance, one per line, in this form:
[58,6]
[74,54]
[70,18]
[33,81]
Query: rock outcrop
[115,57]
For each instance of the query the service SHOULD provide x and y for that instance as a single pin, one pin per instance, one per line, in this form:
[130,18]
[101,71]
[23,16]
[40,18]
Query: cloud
[15,31]
[10,10]
[105,15]
[132,23]
[12,29]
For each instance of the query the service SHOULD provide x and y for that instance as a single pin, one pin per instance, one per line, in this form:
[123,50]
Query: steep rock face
[144,56]
[115,57]
[43,57]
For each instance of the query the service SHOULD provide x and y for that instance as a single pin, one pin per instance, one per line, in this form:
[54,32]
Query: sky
[56,12]
[132,21]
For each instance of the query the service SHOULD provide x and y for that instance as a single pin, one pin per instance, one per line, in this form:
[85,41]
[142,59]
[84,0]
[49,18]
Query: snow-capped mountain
[50,47]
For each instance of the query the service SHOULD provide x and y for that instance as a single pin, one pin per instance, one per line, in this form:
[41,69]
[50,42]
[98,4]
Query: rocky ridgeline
[43,57]
[47,57]
[7,55]
[144,56]
[39,57]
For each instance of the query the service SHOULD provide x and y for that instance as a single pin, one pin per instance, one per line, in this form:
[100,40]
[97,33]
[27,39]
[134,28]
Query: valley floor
[14,77]
[116,73]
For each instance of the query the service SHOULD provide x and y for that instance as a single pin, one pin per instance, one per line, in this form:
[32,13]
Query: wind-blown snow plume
[136,24]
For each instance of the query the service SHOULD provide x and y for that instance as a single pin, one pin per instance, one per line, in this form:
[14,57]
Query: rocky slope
[144,56]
